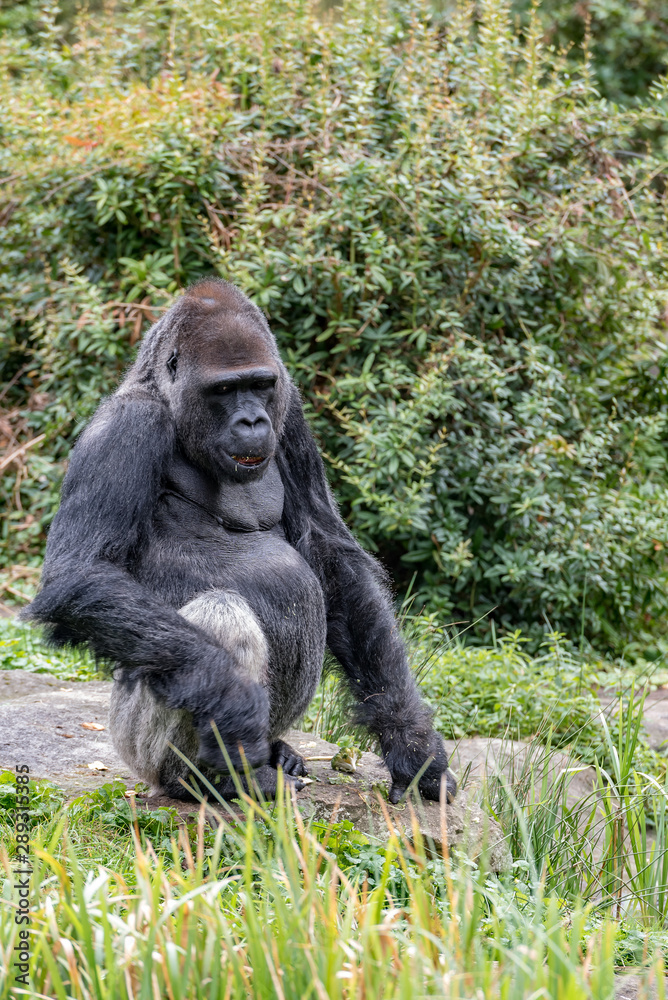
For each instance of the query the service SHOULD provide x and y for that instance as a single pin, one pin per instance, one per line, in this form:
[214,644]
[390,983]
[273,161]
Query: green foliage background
[627,40]
[460,245]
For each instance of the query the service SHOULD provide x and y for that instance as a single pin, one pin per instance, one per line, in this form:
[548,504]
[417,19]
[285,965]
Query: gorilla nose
[253,422]
[252,434]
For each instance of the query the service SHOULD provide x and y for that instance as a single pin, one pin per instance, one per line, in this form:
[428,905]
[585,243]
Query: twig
[16,593]
[14,380]
[300,173]
[20,451]
[73,180]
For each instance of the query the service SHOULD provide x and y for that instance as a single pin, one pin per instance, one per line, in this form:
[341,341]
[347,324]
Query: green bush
[465,277]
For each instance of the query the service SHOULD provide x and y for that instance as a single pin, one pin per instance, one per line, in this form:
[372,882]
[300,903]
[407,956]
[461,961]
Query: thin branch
[20,451]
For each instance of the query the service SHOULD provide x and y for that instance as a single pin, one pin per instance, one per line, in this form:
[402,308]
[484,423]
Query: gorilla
[198,548]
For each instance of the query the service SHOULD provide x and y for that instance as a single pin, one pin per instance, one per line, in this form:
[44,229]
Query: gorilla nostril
[253,423]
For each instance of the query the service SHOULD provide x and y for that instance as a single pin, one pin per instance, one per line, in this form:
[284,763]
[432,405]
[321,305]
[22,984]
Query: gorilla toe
[282,755]
[263,780]
[266,779]
[175,790]
[397,793]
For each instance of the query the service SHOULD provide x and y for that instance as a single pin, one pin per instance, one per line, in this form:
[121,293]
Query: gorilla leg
[142,727]
[232,624]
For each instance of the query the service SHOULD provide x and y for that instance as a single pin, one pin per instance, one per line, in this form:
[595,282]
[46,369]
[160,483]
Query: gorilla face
[224,393]
[242,439]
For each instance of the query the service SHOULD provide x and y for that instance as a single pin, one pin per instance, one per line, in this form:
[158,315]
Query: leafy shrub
[552,697]
[464,275]
[22,649]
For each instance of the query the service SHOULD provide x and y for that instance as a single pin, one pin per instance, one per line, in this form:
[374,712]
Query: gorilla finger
[301,768]
[397,793]
[287,765]
[283,755]
[450,786]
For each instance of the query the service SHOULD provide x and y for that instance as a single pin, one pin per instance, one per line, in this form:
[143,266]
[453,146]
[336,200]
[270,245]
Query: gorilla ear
[172,363]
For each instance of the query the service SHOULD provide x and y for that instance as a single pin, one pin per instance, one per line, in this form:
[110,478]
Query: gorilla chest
[229,538]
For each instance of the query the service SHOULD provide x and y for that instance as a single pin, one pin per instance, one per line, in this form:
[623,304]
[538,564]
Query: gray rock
[655,719]
[42,725]
[637,985]
[655,715]
[522,764]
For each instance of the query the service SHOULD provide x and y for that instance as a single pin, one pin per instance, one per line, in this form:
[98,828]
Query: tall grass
[267,906]
[607,846]
[270,911]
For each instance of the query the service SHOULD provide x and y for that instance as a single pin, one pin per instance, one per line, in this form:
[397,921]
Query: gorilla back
[198,547]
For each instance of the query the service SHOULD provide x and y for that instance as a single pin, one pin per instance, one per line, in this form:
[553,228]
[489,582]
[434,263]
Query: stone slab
[655,715]
[362,800]
[42,725]
[521,763]
[655,719]
[637,985]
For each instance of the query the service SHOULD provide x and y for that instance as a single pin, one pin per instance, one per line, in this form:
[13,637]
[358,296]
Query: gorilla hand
[406,754]
[241,716]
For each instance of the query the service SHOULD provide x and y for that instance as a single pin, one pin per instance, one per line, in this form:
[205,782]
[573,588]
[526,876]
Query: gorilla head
[223,380]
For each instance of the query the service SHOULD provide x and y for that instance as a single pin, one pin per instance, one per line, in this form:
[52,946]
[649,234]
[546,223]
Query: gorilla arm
[88,595]
[362,631]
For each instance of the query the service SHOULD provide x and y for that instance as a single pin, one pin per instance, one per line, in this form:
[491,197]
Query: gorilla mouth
[248,460]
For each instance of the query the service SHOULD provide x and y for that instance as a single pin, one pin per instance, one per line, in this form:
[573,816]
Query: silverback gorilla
[198,547]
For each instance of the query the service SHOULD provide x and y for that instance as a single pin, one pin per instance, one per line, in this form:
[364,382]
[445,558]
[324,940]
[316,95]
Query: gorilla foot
[175,790]
[263,779]
[408,755]
[431,787]
[282,755]
[266,779]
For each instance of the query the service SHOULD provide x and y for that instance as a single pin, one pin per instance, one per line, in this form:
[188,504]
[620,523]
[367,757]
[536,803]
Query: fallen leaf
[92,725]
[97,765]
[68,736]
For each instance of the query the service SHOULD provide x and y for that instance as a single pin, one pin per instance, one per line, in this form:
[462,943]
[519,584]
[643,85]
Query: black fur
[157,511]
